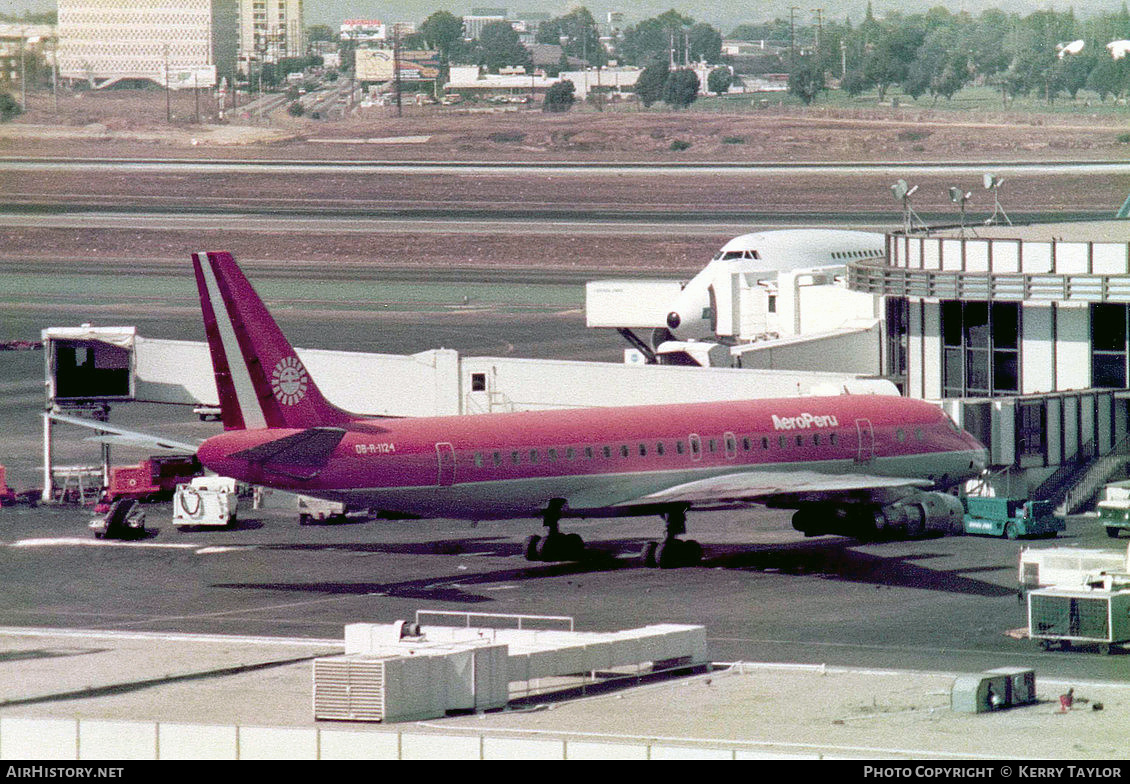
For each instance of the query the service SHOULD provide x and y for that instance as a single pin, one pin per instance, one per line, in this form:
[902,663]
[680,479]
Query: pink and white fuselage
[847,463]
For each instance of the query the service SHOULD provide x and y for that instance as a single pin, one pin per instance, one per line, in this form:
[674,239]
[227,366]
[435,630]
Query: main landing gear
[554,546]
[673,552]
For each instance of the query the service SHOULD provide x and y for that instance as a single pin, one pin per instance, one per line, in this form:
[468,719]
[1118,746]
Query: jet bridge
[90,369]
[727,318]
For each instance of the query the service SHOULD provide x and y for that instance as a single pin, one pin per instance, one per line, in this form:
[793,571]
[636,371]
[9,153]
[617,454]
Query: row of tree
[937,53]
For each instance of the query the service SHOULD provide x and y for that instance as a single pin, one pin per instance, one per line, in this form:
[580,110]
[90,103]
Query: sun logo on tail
[289,381]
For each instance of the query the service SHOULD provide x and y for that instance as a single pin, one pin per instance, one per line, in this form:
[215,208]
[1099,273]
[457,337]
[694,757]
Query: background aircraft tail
[260,379]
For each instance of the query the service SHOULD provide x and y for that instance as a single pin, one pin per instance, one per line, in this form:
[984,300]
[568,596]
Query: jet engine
[920,513]
[909,517]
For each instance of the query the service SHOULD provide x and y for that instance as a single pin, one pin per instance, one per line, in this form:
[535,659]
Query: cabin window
[608,451]
[918,436]
[478,460]
[900,435]
[800,440]
[497,458]
[816,439]
[679,448]
[533,456]
[832,439]
[712,446]
[588,453]
[515,457]
[746,445]
[659,450]
[696,446]
[731,444]
[624,451]
[570,454]
[643,450]
[781,442]
[551,455]
[765,443]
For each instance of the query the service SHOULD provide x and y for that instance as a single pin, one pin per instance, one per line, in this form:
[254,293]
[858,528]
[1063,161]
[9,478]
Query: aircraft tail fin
[260,379]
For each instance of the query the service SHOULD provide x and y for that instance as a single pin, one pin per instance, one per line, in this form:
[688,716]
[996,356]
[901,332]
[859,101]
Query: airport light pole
[168,98]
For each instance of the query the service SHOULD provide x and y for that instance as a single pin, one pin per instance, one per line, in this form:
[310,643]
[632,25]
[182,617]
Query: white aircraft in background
[692,315]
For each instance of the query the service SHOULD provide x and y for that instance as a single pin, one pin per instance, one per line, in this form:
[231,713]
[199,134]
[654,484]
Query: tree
[9,108]
[888,61]
[1107,78]
[681,89]
[443,32]
[577,34]
[559,97]
[320,32]
[649,85]
[806,80]
[854,83]
[719,80]
[660,38]
[705,44]
[499,46]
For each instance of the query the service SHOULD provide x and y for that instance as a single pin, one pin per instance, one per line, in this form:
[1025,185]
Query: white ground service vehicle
[207,500]
[318,510]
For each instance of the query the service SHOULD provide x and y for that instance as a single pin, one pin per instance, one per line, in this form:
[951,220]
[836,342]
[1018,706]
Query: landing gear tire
[648,555]
[532,543]
[1010,531]
[677,553]
[1112,531]
[555,547]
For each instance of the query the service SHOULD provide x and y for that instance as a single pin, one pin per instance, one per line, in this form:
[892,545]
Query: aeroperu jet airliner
[870,466]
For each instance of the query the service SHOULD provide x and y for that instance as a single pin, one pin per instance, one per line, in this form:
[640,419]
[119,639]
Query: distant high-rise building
[270,30]
[479,18]
[190,43]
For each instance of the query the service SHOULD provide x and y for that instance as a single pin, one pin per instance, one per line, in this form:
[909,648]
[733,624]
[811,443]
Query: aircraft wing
[111,434]
[765,487]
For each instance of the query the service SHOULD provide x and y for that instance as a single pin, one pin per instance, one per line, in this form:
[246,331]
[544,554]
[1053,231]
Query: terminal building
[1020,332]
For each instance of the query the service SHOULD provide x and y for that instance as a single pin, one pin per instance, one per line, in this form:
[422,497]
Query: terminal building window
[898,327]
[1108,346]
[980,349]
[1031,424]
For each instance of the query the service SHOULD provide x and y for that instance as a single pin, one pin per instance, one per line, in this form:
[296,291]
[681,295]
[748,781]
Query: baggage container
[1079,617]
